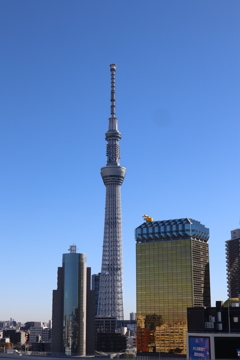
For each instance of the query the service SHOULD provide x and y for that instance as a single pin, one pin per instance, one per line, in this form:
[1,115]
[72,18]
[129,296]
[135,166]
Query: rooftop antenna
[113,68]
[72,249]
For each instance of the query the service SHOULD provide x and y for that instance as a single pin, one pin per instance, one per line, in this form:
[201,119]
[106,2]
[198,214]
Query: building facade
[30,324]
[16,337]
[69,305]
[224,317]
[172,265]
[106,338]
[95,287]
[233,264]
[110,302]
[40,333]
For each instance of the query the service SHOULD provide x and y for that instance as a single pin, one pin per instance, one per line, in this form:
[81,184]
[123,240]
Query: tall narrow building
[172,275]
[233,264]
[74,302]
[69,308]
[95,287]
[110,302]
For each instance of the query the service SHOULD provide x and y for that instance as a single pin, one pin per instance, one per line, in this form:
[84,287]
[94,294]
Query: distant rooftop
[175,229]
[235,234]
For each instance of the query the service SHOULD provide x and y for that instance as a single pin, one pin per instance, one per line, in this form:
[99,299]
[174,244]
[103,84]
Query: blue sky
[178,92]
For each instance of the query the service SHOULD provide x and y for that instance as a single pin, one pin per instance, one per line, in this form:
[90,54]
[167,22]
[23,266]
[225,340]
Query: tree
[6,345]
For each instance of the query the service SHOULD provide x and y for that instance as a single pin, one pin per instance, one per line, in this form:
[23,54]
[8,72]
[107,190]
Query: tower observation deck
[110,302]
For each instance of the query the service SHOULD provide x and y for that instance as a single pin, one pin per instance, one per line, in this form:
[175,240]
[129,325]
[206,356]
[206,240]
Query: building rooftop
[175,229]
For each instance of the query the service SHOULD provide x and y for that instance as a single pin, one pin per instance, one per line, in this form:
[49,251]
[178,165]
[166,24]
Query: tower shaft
[110,301]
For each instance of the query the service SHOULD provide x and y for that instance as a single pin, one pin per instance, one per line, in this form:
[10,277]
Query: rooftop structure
[171,229]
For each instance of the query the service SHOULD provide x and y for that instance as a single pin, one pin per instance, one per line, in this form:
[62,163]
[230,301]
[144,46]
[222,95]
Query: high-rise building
[233,264]
[95,287]
[172,274]
[69,305]
[110,302]
[90,322]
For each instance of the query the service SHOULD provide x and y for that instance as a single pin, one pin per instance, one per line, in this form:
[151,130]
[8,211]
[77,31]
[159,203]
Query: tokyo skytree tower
[110,301]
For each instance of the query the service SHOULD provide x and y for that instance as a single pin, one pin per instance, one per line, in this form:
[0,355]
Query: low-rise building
[108,337]
[132,341]
[214,332]
[30,324]
[39,333]
[41,347]
[16,336]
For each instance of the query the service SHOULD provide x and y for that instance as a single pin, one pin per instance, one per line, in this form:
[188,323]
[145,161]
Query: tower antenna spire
[113,89]
[110,301]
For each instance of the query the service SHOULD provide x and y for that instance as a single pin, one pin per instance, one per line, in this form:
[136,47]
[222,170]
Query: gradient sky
[178,92]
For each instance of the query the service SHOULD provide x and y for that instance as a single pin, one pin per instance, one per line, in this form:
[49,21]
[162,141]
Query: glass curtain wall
[164,291]
[172,275]
[74,313]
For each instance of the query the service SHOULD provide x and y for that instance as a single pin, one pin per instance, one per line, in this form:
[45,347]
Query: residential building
[172,259]
[233,264]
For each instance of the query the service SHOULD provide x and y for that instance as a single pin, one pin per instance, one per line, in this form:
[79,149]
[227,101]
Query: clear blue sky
[178,92]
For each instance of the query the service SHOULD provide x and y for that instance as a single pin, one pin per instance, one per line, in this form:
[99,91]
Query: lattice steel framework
[110,302]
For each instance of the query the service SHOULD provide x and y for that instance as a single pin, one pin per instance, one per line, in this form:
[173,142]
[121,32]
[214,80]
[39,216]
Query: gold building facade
[172,274]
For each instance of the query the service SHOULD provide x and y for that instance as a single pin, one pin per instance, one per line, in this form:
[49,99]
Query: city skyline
[178,102]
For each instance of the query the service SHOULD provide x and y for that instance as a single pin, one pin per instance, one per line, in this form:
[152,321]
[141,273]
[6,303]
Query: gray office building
[70,305]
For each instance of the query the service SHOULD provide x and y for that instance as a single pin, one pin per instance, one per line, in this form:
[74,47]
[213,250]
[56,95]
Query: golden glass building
[172,262]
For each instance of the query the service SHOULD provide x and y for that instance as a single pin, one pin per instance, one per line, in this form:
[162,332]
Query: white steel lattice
[110,302]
